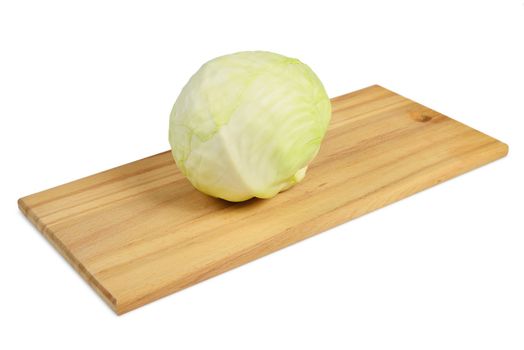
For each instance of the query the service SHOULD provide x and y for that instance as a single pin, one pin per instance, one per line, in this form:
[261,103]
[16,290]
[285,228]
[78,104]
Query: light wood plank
[140,231]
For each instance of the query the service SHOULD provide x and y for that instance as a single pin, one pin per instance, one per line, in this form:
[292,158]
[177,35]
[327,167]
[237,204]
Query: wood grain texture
[140,231]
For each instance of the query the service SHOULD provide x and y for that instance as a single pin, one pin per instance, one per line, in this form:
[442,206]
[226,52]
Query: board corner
[22,205]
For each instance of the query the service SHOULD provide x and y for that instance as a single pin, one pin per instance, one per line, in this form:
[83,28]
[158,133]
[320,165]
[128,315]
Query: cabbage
[248,124]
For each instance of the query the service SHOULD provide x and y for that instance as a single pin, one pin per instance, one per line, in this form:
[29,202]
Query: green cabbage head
[248,124]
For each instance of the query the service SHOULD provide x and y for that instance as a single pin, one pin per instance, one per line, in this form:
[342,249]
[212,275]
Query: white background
[86,86]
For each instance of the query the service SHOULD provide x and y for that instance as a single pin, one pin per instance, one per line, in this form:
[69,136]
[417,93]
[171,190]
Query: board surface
[140,231]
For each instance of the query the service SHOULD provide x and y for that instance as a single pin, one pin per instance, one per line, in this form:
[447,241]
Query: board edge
[108,298]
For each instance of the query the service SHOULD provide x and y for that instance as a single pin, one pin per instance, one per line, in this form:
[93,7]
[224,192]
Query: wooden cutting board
[140,231]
